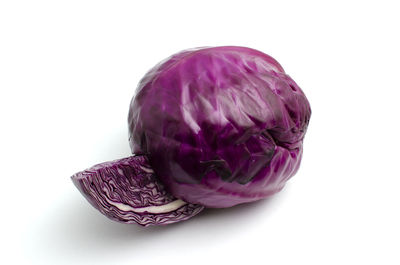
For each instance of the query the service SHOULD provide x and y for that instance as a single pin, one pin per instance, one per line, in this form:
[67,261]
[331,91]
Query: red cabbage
[127,191]
[220,126]
[209,127]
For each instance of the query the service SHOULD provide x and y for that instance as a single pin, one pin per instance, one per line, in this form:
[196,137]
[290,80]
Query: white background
[68,70]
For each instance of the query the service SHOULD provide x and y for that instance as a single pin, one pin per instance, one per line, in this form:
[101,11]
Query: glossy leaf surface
[220,126]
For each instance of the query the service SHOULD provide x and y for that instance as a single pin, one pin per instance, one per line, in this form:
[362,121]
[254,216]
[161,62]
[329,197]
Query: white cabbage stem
[169,207]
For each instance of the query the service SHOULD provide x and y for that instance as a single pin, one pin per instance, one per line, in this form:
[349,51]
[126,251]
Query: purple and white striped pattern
[126,190]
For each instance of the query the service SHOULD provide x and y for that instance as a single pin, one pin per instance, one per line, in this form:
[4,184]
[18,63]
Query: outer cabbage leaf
[127,191]
[220,126]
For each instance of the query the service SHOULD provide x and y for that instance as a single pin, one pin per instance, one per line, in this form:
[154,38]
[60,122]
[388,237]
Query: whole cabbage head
[220,126]
[209,127]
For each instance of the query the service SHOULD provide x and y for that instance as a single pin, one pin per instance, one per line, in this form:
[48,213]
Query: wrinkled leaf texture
[220,126]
